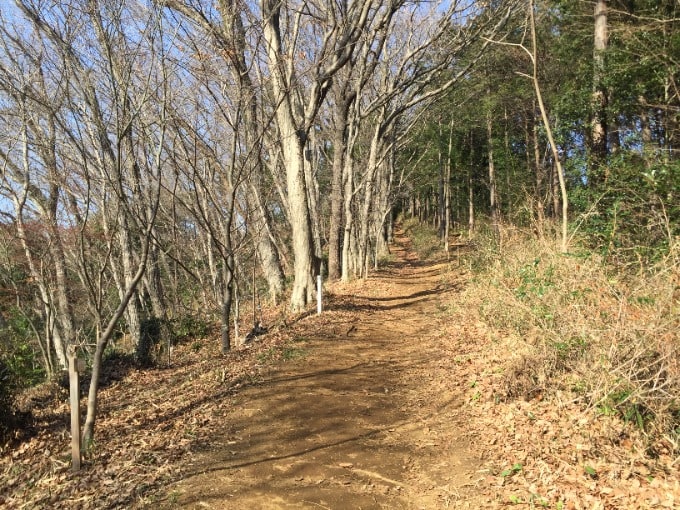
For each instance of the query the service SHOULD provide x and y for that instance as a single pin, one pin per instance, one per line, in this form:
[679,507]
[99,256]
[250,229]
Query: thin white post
[318,295]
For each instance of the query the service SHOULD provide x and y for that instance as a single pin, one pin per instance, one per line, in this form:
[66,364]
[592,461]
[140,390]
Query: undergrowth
[424,239]
[605,335]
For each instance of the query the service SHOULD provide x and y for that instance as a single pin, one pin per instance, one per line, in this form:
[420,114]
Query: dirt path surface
[356,418]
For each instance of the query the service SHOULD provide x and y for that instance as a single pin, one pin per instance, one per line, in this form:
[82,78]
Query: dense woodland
[166,162]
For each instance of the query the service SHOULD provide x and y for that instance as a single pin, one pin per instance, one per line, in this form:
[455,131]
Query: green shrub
[149,338]
[189,327]
[8,421]
[635,215]
[19,352]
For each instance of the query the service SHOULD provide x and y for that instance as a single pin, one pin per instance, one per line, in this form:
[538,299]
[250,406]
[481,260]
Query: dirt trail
[357,419]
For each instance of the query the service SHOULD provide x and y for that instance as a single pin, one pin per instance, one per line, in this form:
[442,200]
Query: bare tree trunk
[65,316]
[312,185]
[555,192]
[350,231]
[599,99]
[348,214]
[471,193]
[384,207]
[266,247]
[102,342]
[132,311]
[538,172]
[441,202]
[368,199]
[153,284]
[493,188]
[447,189]
[292,150]
[339,154]
[227,301]
[53,327]
[304,260]
[509,173]
[548,129]
[54,294]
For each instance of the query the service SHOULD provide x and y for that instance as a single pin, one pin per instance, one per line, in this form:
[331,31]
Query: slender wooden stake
[237,316]
[74,380]
[318,295]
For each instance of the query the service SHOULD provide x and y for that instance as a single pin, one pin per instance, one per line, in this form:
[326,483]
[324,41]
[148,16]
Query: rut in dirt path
[356,420]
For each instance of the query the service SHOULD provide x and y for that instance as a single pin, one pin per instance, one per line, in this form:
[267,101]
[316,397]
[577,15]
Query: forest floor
[387,400]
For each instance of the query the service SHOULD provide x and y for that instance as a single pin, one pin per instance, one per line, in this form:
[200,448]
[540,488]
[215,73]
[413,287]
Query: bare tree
[532,53]
[33,180]
[400,84]
[599,100]
[296,106]
[109,126]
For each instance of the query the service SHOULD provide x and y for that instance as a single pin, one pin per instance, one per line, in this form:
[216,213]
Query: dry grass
[607,337]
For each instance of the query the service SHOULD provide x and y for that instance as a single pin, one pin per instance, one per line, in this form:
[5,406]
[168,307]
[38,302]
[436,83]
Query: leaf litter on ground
[544,451]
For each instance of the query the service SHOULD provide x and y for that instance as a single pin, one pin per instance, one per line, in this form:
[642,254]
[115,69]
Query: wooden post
[318,295]
[254,302]
[74,367]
